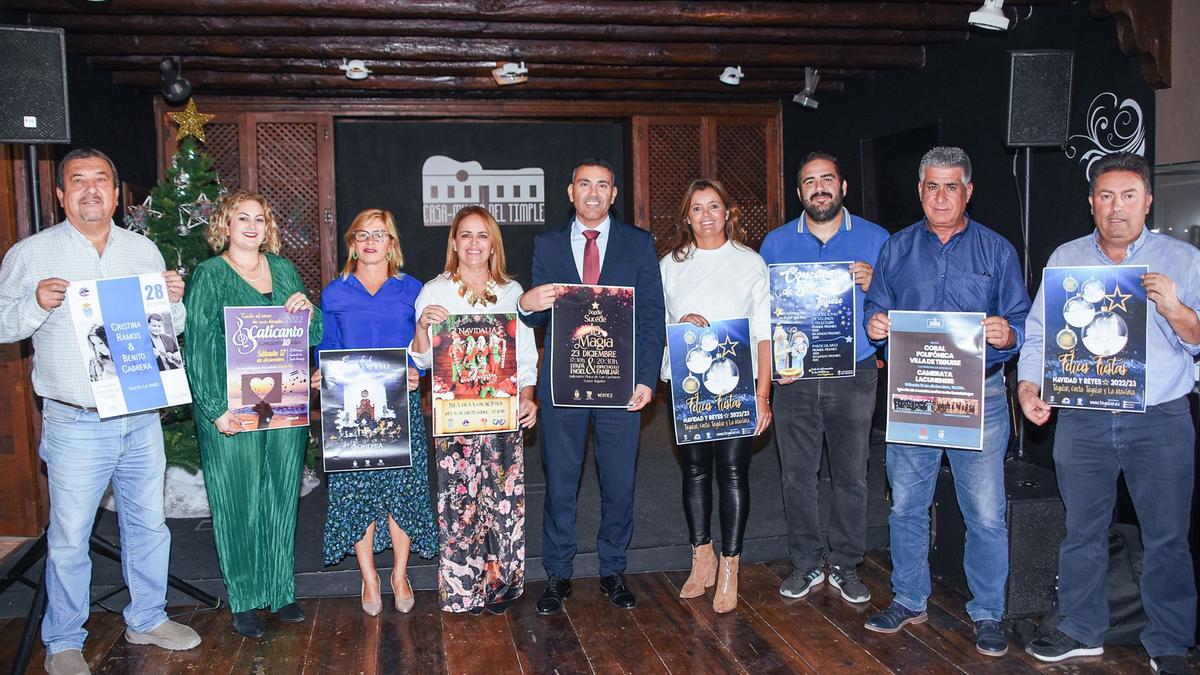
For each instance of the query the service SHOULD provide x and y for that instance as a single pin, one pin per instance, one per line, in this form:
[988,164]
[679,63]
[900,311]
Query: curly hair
[683,240]
[218,224]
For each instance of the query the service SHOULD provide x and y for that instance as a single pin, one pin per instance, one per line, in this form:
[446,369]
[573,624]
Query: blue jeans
[979,484]
[83,454]
[1155,451]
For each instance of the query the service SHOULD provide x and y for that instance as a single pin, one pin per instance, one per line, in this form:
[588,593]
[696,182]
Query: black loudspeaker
[1036,526]
[1039,97]
[33,86]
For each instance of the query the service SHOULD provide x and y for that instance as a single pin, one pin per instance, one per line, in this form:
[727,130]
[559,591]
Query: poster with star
[1094,351]
[592,355]
[935,374]
[812,320]
[266,366]
[364,409]
[474,374]
[712,380]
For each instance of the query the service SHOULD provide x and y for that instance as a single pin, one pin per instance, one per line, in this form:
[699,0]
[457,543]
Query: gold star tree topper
[191,122]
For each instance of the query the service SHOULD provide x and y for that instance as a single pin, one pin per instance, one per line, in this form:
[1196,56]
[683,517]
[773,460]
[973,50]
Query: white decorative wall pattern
[1113,125]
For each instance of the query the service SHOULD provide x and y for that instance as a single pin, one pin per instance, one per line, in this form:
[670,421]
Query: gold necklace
[242,270]
[489,291]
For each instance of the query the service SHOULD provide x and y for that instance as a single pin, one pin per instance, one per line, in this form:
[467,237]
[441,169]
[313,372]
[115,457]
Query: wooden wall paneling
[740,154]
[641,172]
[327,197]
[287,171]
[24,499]
[776,180]
[674,147]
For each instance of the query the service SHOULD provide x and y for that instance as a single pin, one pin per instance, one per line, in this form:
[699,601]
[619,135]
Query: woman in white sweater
[710,275]
[481,478]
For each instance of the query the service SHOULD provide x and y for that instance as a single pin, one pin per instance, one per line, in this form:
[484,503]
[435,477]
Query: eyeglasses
[377,235]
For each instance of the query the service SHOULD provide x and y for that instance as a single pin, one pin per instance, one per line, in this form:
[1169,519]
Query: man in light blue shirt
[84,453]
[1154,450]
[836,409]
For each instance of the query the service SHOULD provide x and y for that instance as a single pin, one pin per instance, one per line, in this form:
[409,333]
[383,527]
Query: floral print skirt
[481,519]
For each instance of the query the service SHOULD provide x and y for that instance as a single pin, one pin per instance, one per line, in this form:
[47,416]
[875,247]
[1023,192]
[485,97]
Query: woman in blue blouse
[371,306]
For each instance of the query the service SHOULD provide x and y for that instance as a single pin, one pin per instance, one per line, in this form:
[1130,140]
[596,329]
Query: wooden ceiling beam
[905,15]
[330,67]
[271,83]
[441,49]
[323,26]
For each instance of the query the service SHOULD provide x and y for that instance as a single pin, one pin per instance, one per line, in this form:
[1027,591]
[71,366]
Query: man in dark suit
[593,249]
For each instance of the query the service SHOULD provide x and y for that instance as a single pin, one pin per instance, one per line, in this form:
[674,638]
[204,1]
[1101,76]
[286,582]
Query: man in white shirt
[83,453]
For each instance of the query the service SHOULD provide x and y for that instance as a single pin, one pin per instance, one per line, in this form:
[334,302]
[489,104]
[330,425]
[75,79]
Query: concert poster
[712,380]
[266,362]
[813,316]
[474,374]
[935,379]
[592,359]
[1094,351]
[364,409]
[129,343]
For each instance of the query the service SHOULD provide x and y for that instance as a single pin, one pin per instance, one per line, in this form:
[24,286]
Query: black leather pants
[732,459]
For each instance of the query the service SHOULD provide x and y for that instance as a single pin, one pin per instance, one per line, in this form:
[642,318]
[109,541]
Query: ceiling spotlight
[510,73]
[732,76]
[805,97]
[355,69]
[989,16]
[175,89]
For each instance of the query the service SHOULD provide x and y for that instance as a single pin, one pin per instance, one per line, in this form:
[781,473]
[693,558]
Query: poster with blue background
[1095,343]
[712,380]
[812,320]
[935,379]
[129,343]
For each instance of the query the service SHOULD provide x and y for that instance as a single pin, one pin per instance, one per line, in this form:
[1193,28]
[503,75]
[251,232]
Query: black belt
[995,368]
[72,405]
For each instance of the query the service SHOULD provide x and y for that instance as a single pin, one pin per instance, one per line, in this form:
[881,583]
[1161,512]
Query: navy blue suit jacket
[629,260]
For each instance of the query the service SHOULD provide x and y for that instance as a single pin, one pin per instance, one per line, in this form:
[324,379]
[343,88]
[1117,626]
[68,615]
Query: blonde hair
[496,261]
[395,257]
[218,224]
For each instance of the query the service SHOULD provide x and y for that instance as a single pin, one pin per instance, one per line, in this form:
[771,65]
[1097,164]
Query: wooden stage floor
[766,634]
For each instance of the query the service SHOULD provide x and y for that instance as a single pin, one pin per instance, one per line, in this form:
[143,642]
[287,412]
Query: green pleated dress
[252,479]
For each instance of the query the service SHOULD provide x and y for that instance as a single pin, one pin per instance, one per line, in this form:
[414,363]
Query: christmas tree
[175,217]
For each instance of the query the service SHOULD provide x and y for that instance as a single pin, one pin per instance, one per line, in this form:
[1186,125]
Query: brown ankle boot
[704,572]
[726,596]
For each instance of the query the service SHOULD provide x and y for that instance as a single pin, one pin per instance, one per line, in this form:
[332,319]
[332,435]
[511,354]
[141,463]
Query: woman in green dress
[252,479]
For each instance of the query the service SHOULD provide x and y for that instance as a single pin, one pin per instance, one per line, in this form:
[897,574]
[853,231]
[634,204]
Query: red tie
[591,258]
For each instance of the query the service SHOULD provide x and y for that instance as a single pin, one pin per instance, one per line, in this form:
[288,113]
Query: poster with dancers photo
[266,362]
[813,316]
[1094,348]
[474,374]
[712,380]
[364,409]
[935,374]
[592,360]
[128,343]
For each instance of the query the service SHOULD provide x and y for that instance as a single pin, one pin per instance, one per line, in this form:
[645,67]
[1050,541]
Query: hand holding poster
[364,409]
[1094,351]
[813,315]
[935,379]
[266,361]
[128,343]
[474,374]
[712,380]
[592,359]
